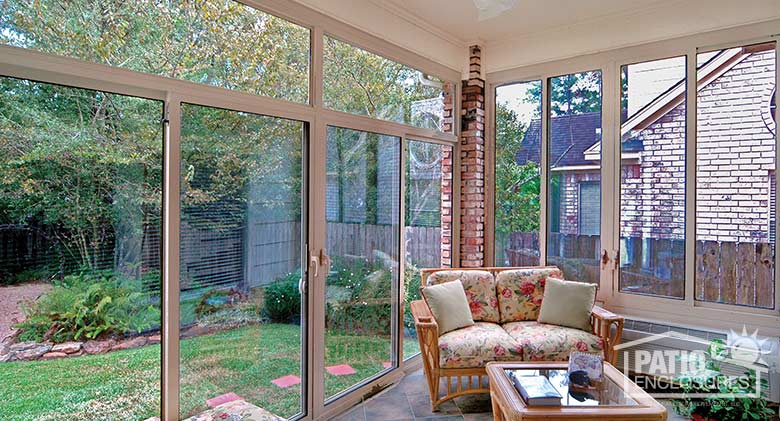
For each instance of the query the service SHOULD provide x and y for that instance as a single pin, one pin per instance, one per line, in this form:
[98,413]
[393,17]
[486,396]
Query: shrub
[725,405]
[88,305]
[283,299]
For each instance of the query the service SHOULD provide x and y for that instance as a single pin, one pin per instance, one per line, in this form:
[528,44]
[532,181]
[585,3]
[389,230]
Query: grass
[126,384]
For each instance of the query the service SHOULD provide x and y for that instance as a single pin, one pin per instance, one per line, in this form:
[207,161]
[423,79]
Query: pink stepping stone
[387,364]
[286,381]
[341,370]
[219,400]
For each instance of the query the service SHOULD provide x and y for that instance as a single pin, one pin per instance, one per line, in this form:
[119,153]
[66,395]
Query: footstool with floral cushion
[504,304]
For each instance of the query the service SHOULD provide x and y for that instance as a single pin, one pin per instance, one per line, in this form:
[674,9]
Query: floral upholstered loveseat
[504,304]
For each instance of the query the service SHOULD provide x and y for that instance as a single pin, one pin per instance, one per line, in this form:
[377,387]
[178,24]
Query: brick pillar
[446,179]
[472,165]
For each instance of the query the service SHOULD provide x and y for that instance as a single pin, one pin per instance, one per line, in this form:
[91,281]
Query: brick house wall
[736,154]
[735,160]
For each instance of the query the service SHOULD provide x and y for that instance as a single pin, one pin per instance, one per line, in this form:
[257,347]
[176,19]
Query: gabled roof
[571,136]
[574,140]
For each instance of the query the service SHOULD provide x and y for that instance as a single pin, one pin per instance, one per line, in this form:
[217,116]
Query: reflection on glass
[359,82]
[574,157]
[428,199]
[240,259]
[652,178]
[518,160]
[363,217]
[735,176]
[215,42]
[80,198]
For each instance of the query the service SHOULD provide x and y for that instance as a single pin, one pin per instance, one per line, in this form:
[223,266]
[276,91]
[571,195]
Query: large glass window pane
[80,195]
[216,42]
[735,176]
[360,82]
[241,318]
[363,216]
[652,178]
[518,163]
[428,207]
[574,157]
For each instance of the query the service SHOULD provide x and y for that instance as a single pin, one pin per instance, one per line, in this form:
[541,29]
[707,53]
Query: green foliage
[575,93]
[517,186]
[89,305]
[727,407]
[411,292]
[283,299]
[217,300]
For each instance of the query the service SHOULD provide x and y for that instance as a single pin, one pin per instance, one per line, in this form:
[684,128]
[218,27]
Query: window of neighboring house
[590,208]
[215,42]
[735,244]
[360,82]
[517,173]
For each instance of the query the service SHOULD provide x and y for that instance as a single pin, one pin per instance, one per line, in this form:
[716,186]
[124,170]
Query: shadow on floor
[408,401]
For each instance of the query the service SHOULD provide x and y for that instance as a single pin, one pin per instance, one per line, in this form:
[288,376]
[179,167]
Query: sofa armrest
[609,327]
[428,336]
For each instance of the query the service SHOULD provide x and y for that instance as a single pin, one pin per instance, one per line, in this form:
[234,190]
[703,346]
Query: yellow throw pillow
[567,303]
[449,305]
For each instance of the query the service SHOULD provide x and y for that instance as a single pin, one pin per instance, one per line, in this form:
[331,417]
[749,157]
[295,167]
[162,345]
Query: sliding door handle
[315,263]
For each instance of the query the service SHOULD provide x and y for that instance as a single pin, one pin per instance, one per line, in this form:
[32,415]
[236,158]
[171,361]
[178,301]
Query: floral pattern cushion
[480,290]
[477,345]
[544,342]
[520,292]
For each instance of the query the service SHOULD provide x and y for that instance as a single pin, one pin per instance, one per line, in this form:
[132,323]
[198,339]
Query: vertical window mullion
[170,257]
[691,91]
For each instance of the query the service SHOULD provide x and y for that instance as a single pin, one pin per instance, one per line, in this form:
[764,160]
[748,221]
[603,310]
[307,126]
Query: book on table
[535,389]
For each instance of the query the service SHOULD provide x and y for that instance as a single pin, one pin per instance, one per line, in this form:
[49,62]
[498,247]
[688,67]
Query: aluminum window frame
[714,316]
[47,68]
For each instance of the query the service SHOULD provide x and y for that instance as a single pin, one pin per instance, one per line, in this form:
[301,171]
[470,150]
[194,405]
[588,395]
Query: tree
[517,185]
[575,93]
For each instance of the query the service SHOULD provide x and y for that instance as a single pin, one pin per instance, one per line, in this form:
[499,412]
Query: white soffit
[537,31]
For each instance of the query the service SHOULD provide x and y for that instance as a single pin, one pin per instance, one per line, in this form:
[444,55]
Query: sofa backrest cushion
[449,305]
[480,288]
[568,303]
[520,292]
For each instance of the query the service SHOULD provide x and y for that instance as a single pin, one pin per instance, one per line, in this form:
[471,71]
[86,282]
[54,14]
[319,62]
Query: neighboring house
[735,158]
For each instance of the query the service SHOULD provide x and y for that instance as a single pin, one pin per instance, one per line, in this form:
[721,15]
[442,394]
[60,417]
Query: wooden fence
[726,272]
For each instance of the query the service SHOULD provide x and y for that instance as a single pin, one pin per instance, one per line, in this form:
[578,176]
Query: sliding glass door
[363,204]
[242,230]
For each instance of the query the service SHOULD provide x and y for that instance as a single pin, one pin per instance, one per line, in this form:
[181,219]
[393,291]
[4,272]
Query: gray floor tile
[421,406]
[388,406]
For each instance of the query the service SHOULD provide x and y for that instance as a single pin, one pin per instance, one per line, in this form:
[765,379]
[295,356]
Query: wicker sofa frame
[466,381]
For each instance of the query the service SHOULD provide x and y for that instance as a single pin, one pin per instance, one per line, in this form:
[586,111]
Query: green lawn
[126,384]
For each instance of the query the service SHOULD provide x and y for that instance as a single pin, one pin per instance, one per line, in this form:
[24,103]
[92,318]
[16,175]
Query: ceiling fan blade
[489,9]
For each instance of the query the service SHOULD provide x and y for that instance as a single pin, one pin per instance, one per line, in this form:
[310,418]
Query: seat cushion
[520,292]
[480,288]
[543,342]
[477,345]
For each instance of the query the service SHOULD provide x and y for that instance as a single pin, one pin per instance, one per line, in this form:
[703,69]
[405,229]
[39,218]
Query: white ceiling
[459,19]
[536,31]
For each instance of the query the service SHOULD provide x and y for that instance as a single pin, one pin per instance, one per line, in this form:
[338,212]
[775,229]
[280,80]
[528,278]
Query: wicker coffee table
[618,398]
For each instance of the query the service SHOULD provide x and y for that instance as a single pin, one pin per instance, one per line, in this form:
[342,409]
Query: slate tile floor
[408,401]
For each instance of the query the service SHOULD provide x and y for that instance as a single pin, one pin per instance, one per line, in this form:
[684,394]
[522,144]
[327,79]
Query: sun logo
[746,348]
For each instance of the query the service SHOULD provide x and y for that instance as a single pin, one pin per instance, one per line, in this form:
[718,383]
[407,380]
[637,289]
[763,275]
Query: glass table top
[608,393]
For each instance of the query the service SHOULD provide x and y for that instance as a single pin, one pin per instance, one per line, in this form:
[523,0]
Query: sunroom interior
[221,201]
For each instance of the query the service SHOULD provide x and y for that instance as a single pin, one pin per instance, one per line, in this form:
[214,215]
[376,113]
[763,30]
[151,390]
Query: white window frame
[47,68]
[687,312]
